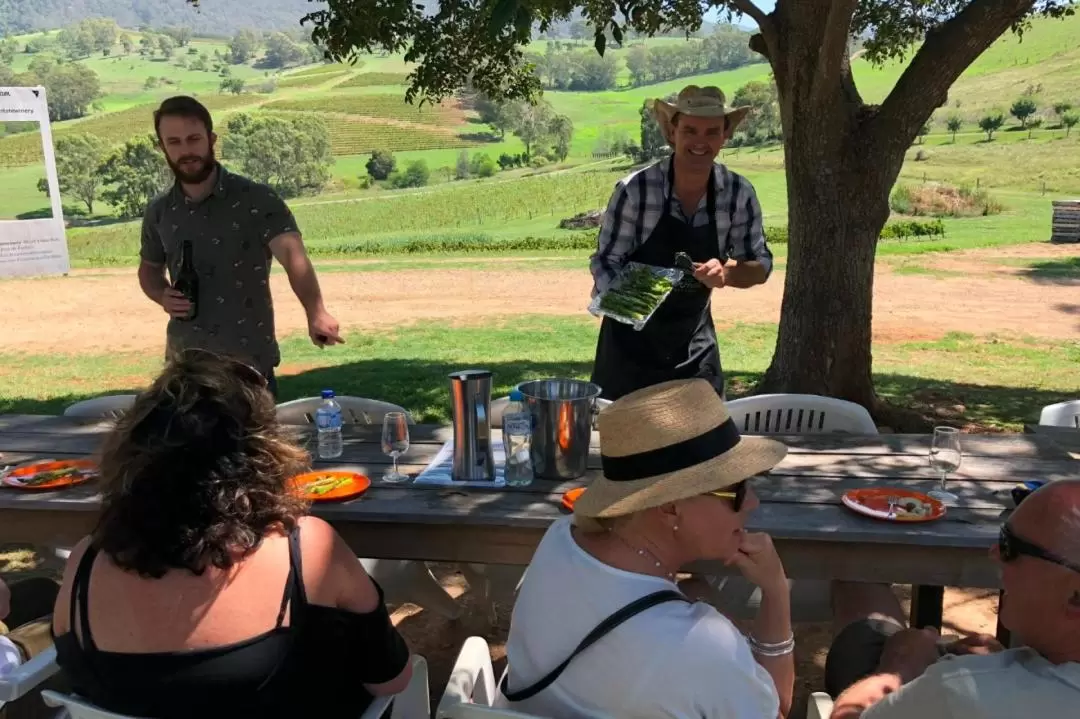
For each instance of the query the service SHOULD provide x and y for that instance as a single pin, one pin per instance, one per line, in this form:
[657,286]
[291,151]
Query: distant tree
[78,166]
[1033,124]
[924,130]
[954,124]
[291,155]
[1068,121]
[637,63]
[653,144]
[76,42]
[243,47]
[8,49]
[498,115]
[127,43]
[991,124]
[103,32]
[166,45]
[147,45]
[234,85]
[38,44]
[135,174]
[1022,109]
[561,132]
[282,51]
[482,165]
[593,73]
[532,125]
[151,83]
[71,88]
[381,164]
[416,174]
[763,122]
[1060,108]
[507,161]
[462,170]
[181,35]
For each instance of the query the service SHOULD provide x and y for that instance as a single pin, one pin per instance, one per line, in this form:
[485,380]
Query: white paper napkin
[440,471]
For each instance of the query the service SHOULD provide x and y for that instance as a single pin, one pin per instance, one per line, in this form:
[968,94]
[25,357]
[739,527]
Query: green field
[1001,382]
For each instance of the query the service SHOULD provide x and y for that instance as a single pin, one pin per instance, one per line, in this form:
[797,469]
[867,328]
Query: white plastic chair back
[478,711]
[819,706]
[799,414]
[413,702]
[354,410]
[109,407]
[24,678]
[1062,414]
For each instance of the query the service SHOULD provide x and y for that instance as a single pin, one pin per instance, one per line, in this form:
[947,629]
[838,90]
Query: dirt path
[983,295]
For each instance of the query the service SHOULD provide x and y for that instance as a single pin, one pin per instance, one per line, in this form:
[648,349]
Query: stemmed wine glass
[395,442]
[945,456]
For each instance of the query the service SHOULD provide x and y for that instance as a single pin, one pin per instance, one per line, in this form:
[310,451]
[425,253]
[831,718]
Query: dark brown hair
[183,106]
[197,472]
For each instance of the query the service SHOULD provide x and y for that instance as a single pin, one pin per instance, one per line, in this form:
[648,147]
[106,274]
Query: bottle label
[518,424]
[327,420]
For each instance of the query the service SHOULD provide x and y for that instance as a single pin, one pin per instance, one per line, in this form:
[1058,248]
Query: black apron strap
[605,627]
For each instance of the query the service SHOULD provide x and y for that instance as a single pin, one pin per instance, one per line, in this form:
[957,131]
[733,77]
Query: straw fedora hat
[668,442]
[697,102]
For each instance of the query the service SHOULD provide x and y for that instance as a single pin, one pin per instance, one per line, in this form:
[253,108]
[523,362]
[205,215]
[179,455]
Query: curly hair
[197,472]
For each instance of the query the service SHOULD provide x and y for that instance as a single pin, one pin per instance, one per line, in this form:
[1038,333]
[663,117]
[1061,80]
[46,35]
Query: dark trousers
[29,627]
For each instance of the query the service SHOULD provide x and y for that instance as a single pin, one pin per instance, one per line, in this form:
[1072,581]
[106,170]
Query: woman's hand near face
[758,561]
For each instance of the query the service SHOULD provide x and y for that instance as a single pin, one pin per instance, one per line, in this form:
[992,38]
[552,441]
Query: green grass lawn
[989,382]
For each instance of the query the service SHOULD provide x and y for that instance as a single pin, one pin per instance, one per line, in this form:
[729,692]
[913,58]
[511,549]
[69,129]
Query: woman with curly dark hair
[205,590]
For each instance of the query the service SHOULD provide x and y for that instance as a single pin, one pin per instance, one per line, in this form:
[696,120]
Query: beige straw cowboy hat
[696,102]
[668,442]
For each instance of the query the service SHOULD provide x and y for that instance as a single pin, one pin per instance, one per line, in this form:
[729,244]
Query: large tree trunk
[838,182]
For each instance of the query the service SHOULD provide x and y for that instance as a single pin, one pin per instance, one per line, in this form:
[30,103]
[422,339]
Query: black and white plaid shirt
[637,204]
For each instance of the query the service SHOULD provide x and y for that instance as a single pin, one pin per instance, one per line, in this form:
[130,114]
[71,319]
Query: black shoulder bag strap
[632,609]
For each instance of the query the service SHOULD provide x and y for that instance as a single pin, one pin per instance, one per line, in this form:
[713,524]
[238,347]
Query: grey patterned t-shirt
[230,231]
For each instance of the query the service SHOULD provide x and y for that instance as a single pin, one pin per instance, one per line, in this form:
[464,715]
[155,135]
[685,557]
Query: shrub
[941,200]
[901,230]
[416,174]
[538,161]
[468,244]
[777,234]
[481,165]
[381,164]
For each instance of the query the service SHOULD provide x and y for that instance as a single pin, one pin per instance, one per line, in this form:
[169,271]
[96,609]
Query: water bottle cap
[327,393]
[516,395]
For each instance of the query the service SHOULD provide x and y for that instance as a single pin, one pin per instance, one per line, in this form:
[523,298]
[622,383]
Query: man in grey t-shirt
[236,227]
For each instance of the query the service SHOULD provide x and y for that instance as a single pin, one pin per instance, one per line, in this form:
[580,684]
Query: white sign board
[33,247]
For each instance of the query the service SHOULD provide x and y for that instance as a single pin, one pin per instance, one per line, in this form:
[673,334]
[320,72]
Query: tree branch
[946,52]
[834,48]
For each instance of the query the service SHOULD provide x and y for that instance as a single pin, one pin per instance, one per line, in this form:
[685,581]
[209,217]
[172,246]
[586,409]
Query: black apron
[679,340]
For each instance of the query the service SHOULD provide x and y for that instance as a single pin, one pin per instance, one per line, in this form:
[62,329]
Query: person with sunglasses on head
[206,590]
[877,669]
[601,628]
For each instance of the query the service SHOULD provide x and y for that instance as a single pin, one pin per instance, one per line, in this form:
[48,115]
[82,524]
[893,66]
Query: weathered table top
[800,502]
[1067,438]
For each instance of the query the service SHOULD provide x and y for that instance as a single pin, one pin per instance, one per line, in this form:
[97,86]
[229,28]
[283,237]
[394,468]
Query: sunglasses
[737,497]
[1010,546]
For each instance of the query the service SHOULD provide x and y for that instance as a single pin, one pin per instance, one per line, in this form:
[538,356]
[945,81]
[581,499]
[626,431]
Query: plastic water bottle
[328,426]
[517,441]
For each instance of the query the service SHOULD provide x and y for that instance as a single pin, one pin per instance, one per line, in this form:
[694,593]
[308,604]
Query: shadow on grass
[1055,272]
[908,404]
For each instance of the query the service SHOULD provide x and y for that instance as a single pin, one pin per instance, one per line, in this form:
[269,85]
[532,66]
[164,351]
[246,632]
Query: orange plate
[570,497]
[875,503]
[354,486]
[17,477]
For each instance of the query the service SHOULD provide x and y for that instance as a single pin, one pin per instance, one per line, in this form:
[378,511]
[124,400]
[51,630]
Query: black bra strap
[80,597]
[632,609]
[295,594]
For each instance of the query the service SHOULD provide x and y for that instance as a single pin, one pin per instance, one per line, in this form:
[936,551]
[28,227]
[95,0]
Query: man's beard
[194,176]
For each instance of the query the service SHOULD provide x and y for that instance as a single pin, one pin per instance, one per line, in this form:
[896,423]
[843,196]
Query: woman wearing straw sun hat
[600,627]
[684,203]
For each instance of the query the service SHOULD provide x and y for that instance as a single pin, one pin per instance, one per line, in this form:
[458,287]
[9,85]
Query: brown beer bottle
[187,280]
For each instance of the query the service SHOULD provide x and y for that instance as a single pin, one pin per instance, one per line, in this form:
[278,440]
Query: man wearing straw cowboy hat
[674,490]
[684,203]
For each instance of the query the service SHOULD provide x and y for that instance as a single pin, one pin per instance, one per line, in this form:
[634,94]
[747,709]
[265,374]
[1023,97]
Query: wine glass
[395,442]
[945,456]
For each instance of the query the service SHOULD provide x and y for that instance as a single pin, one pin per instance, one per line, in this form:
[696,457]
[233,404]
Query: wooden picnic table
[817,537]
[1068,438]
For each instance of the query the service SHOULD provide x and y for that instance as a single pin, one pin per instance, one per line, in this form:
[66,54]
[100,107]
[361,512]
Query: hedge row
[464,244]
[901,230]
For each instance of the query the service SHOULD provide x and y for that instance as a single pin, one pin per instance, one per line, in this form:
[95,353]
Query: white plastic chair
[111,406]
[354,410]
[799,414]
[403,580]
[24,678]
[412,703]
[1062,414]
[498,407]
[811,600]
[472,688]
[819,706]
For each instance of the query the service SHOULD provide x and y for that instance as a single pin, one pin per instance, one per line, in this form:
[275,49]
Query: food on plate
[325,484]
[638,295]
[912,507]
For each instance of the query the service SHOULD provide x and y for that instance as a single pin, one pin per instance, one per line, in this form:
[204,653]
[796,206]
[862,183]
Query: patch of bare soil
[104,310]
